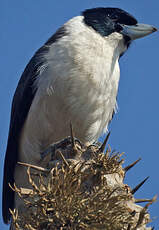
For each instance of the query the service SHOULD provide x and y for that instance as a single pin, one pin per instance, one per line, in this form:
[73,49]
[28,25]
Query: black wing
[22,101]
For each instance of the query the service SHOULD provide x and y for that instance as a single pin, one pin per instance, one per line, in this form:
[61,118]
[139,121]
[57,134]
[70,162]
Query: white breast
[78,84]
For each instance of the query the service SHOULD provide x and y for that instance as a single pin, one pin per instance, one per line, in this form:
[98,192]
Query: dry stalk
[83,189]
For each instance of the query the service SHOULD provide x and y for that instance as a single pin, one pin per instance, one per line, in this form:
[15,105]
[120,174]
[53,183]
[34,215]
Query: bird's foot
[50,154]
[53,147]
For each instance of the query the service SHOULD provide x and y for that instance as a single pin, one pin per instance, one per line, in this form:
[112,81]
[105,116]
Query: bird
[73,77]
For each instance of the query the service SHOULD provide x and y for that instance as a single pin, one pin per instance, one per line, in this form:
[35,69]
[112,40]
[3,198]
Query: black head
[107,20]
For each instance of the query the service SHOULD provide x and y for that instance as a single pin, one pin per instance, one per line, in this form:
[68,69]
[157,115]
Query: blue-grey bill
[138,30]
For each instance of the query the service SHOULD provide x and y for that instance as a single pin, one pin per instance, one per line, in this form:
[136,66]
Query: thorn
[144,211]
[72,136]
[134,190]
[127,168]
[151,202]
[142,200]
[101,149]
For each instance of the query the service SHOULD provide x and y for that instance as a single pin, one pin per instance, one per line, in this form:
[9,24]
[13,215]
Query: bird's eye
[118,28]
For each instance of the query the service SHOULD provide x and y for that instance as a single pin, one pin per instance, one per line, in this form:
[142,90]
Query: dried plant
[81,188]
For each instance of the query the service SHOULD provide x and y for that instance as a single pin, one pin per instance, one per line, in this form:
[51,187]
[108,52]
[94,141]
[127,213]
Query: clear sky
[26,25]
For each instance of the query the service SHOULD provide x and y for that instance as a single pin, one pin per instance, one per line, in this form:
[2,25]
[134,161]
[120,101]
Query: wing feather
[21,103]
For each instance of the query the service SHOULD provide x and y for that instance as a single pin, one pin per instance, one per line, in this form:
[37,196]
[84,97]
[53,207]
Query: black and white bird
[73,77]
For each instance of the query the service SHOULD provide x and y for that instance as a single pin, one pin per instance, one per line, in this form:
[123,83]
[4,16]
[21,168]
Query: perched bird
[73,77]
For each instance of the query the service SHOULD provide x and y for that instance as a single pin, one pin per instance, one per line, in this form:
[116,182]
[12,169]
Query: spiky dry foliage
[81,188]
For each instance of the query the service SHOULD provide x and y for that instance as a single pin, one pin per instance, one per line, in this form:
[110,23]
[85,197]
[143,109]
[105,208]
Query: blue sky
[26,25]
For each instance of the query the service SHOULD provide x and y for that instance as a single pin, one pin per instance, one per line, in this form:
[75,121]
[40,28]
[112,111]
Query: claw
[52,148]
[133,191]
[47,152]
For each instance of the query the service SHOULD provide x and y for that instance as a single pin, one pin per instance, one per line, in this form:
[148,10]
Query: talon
[50,151]
[45,153]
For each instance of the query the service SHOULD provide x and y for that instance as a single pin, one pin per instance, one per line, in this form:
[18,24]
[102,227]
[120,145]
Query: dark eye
[118,28]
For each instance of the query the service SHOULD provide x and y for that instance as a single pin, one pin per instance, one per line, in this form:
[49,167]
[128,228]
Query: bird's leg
[50,154]
[50,151]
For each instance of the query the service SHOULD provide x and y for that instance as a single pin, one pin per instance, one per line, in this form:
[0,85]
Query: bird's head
[107,21]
